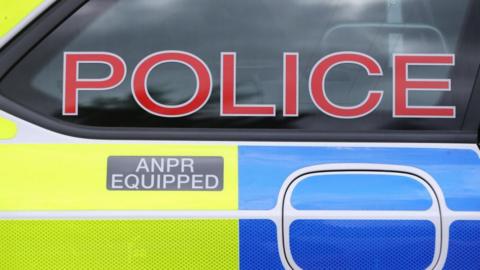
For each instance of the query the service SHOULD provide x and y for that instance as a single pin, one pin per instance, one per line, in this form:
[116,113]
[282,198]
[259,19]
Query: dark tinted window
[259,32]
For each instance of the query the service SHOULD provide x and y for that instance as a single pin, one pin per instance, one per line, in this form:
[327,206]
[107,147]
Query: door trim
[441,241]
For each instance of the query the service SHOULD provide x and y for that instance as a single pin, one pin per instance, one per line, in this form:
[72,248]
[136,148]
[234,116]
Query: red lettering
[199,98]
[290,84]
[229,105]
[402,85]
[317,85]
[72,84]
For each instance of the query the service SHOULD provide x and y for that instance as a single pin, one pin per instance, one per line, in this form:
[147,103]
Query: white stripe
[239,214]
[30,133]
[140,214]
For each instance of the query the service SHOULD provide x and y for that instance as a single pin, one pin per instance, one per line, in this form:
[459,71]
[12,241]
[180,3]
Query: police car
[254,134]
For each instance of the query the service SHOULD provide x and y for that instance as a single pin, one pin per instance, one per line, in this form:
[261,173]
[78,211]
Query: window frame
[19,47]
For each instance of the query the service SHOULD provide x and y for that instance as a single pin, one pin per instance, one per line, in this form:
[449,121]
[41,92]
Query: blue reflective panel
[258,245]
[464,245]
[360,192]
[263,170]
[362,244]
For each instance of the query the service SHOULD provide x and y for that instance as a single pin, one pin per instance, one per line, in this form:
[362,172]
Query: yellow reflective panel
[74,177]
[8,129]
[118,244]
[12,13]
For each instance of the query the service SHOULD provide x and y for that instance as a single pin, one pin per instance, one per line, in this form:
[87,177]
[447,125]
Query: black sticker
[165,173]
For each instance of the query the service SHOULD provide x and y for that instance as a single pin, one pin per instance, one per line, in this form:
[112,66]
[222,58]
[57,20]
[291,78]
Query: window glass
[259,32]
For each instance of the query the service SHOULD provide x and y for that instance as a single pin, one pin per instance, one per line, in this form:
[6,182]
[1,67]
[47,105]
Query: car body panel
[57,212]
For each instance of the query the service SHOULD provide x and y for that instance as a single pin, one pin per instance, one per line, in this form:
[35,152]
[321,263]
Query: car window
[257,34]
